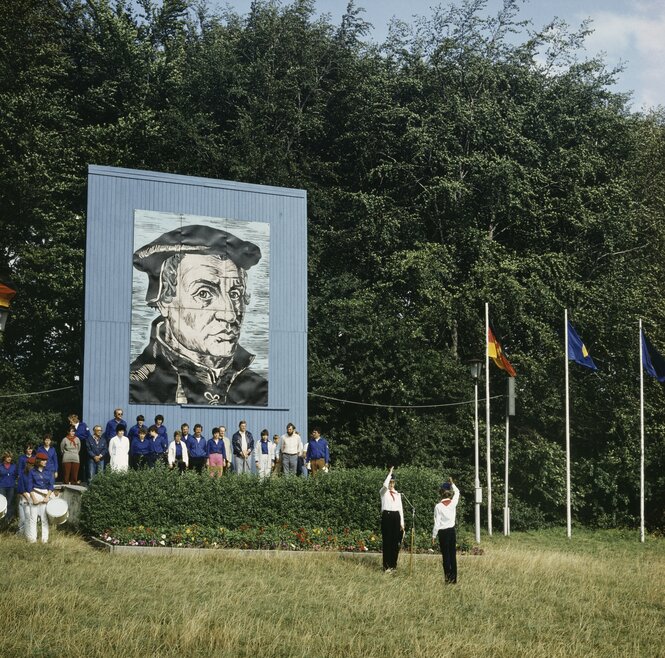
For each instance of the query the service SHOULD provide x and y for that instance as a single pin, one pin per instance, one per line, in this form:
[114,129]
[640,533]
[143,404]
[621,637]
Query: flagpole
[641,438]
[487,420]
[477,492]
[506,509]
[568,512]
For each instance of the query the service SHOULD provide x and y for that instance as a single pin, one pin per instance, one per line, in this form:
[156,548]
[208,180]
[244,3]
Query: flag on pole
[652,361]
[6,295]
[577,350]
[495,352]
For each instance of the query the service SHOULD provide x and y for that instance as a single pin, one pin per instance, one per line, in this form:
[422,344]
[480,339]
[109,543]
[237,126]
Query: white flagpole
[506,509]
[477,492]
[641,439]
[487,420]
[568,512]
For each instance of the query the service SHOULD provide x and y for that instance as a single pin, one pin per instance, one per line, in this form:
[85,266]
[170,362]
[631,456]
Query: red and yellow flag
[6,294]
[495,353]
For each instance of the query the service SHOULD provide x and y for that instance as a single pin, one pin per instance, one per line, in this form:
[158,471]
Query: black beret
[197,239]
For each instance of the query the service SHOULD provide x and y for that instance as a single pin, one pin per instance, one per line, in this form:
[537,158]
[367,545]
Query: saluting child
[444,528]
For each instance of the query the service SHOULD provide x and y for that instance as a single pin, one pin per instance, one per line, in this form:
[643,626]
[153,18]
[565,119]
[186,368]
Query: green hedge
[280,537]
[339,499]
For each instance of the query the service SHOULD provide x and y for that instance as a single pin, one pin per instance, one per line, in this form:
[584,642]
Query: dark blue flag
[652,360]
[577,351]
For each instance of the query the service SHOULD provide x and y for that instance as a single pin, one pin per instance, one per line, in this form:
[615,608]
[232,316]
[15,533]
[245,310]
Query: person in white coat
[265,455]
[177,453]
[119,450]
[444,528]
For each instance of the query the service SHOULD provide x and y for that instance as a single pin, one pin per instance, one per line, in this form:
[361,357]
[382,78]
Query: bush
[281,537]
[342,499]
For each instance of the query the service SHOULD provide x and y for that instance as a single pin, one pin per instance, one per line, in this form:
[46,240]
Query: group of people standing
[392,525]
[84,453]
[141,447]
[28,486]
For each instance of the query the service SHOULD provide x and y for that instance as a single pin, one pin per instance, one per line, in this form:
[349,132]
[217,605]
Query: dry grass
[528,596]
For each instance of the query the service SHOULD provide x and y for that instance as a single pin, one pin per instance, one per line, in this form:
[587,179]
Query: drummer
[8,474]
[24,501]
[41,488]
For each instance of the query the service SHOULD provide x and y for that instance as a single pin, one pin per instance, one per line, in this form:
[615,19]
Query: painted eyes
[203,295]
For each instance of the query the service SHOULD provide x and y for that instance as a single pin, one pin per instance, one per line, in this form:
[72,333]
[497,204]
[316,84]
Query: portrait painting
[200,310]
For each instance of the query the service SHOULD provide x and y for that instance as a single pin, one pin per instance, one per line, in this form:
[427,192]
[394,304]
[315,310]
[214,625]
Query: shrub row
[341,499]
[281,537]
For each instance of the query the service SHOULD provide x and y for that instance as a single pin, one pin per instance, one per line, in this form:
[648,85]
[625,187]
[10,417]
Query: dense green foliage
[445,168]
[347,498]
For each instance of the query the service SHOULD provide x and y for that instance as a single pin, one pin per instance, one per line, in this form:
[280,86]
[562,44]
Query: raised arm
[455,493]
[386,482]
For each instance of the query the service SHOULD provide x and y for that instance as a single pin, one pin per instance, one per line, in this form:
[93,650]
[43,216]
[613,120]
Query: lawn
[533,594]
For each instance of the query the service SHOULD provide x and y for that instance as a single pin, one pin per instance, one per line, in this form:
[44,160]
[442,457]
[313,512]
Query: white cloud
[634,35]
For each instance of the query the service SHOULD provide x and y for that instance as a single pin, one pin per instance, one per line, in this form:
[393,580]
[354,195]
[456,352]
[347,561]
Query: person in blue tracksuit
[160,445]
[161,428]
[98,451]
[141,451]
[197,447]
[27,453]
[48,448]
[133,432]
[112,426]
[8,477]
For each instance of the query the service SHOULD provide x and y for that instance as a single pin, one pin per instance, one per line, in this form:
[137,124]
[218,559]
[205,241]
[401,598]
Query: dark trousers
[140,461]
[391,534]
[448,545]
[157,458]
[197,463]
[71,472]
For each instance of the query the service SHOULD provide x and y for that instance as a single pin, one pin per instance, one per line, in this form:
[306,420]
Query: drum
[57,510]
[3,506]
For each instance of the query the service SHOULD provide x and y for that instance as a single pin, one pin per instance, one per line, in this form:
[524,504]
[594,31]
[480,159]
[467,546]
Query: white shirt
[291,445]
[391,501]
[119,453]
[243,441]
[171,453]
[444,514]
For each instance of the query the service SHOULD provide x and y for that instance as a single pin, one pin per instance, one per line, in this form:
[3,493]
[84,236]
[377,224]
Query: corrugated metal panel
[113,196]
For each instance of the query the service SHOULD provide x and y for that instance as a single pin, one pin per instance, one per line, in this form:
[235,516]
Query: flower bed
[281,537]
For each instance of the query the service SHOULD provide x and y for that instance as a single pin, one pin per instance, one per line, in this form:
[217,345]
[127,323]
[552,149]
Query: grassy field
[601,594]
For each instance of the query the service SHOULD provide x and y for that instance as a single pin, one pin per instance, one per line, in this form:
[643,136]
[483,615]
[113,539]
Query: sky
[631,32]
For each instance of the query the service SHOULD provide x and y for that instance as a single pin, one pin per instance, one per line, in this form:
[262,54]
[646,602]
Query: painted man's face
[206,315]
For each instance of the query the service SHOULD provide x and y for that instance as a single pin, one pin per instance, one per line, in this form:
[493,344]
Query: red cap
[31,460]
[42,455]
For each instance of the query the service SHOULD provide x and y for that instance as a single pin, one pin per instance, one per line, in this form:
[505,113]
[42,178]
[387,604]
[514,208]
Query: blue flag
[652,361]
[577,351]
